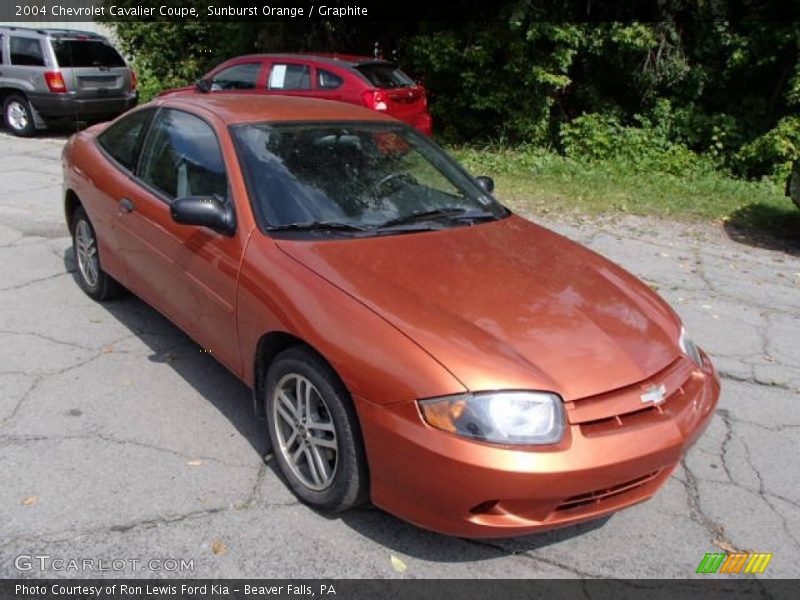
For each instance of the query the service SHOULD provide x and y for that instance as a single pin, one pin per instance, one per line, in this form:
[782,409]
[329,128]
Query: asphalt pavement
[120,440]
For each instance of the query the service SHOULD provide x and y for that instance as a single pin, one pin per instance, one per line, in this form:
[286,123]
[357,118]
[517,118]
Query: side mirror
[486,183]
[203,86]
[204,211]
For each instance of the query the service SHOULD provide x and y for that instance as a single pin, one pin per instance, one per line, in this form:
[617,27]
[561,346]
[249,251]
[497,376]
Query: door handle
[126,205]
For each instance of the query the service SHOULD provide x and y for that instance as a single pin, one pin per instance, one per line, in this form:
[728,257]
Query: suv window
[237,77]
[383,75]
[86,53]
[1,48]
[327,80]
[123,140]
[290,77]
[182,157]
[26,51]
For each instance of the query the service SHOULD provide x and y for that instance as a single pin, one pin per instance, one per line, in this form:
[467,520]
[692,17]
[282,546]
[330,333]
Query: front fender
[374,359]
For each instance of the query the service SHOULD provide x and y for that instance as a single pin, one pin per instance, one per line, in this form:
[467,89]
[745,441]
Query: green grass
[541,181]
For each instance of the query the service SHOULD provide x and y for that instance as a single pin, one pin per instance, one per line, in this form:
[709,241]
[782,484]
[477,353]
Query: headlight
[499,417]
[689,348]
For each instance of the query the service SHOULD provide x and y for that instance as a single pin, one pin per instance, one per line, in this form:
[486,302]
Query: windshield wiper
[317,226]
[453,213]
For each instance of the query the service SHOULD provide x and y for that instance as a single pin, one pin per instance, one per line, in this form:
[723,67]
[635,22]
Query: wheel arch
[269,346]
[6,91]
[71,203]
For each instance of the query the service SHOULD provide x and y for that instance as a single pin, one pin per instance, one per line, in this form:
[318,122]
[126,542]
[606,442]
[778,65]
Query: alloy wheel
[86,249]
[17,115]
[306,433]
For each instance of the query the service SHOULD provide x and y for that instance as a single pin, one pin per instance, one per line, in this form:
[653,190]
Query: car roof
[54,32]
[347,60]
[245,108]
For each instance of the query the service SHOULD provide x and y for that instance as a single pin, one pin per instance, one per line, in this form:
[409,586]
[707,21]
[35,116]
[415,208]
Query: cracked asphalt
[119,438]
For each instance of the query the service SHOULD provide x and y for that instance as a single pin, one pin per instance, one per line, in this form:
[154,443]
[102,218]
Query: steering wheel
[394,179]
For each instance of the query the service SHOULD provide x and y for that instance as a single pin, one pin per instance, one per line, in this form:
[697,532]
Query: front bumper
[70,106]
[460,487]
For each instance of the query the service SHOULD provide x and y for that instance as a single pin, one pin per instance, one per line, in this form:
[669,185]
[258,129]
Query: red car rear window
[386,76]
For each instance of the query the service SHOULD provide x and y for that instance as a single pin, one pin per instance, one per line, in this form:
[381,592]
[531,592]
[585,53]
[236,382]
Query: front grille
[597,496]
[623,408]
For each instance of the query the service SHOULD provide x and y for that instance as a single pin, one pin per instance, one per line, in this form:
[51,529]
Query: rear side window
[327,80]
[290,77]
[123,140]
[1,48]
[237,77]
[26,52]
[86,53]
[182,157]
[383,75]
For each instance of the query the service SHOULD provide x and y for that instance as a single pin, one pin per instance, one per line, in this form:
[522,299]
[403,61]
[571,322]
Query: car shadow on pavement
[405,538]
[169,345]
[56,131]
[765,226]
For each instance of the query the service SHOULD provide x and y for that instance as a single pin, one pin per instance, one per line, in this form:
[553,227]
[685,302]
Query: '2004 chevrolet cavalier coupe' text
[408,339]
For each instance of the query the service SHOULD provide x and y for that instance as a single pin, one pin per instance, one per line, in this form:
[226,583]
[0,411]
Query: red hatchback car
[375,83]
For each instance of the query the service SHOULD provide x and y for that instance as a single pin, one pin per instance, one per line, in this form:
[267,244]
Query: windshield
[356,177]
[86,53]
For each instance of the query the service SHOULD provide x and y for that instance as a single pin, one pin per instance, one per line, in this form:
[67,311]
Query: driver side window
[182,157]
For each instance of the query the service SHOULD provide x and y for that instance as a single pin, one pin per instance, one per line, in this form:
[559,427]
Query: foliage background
[689,92]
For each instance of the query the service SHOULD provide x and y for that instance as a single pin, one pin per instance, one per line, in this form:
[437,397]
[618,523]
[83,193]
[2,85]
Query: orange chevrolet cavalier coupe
[408,339]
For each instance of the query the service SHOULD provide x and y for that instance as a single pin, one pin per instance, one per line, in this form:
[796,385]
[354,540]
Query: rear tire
[315,432]
[17,116]
[93,280]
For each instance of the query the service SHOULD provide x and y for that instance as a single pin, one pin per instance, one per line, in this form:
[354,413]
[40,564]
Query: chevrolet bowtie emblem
[655,394]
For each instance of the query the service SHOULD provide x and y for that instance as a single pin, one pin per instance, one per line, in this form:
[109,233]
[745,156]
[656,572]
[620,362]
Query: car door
[189,273]
[329,85]
[290,78]
[121,144]
[26,64]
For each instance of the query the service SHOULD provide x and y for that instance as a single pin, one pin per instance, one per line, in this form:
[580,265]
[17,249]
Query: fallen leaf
[218,547]
[723,545]
[108,349]
[398,565]
[194,463]
[95,320]
[30,501]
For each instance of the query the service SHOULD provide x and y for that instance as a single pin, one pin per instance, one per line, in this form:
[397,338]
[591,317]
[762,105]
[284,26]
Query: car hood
[506,305]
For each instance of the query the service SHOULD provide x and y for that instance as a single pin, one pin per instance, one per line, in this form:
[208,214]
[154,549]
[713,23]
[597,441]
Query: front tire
[93,280]
[315,433]
[18,116]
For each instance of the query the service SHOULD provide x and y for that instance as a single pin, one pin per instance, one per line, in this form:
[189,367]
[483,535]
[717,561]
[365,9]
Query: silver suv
[59,74]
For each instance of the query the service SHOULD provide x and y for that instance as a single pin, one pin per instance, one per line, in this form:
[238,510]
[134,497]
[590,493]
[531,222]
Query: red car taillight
[55,82]
[376,100]
[134,80]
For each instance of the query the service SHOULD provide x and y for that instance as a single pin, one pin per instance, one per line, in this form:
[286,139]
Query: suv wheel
[17,116]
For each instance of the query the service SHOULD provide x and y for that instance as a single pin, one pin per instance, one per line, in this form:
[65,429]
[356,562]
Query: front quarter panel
[377,362]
